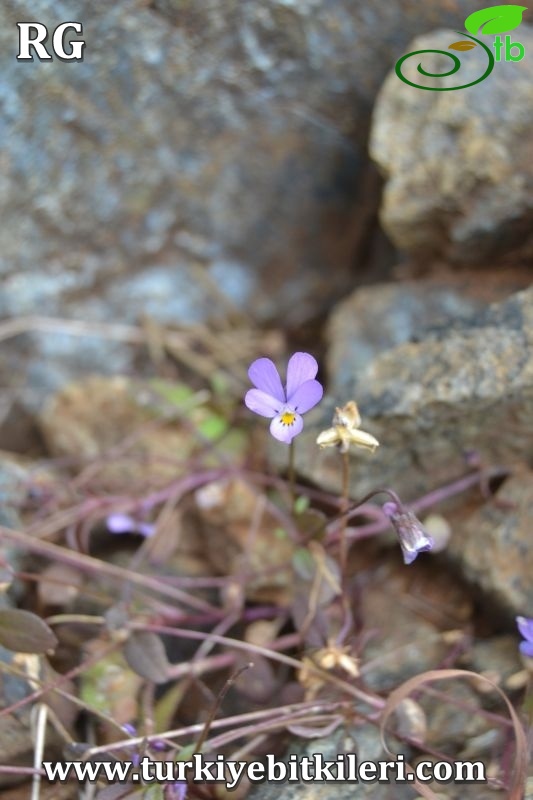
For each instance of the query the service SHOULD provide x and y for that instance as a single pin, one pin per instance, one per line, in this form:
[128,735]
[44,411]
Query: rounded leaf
[145,654]
[496,19]
[25,632]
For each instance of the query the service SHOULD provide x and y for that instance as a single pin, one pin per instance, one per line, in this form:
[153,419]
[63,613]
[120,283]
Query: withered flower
[328,658]
[345,431]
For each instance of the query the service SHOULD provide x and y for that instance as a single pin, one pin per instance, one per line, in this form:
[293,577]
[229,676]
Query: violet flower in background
[176,791]
[284,406]
[525,626]
[123,523]
[414,539]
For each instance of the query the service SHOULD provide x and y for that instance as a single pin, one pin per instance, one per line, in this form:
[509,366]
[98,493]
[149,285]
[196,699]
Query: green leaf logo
[462,45]
[496,19]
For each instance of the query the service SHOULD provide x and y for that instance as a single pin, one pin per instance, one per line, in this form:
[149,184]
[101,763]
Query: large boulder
[493,545]
[220,143]
[431,393]
[458,166]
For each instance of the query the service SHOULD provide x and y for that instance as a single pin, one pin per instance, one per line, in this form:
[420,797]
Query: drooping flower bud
[414,539]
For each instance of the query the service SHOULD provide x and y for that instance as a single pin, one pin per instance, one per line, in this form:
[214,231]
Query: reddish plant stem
[58,682]
[423,503]
[266,727]
[96,566]
[223,660]
[29,771]
[372,700]
[294,710]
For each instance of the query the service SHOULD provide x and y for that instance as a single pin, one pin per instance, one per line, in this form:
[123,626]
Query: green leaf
[301,504]
[496,19]
[219,384]
[177,394]
[186,753]
[212,427]
[25,632]
[154,792]
[165,708]
[304,564]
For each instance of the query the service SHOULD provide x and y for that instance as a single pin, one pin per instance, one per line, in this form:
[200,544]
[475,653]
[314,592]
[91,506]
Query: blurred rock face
[431,385]
[225,136]
[458,165]
[492,544]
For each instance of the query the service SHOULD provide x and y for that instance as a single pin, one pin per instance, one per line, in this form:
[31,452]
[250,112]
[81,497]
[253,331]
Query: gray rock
[498,657]
[493,546]
[377,318]
[15,731]
[13,489]
[17,744]
[225,137]
[405,612]
[457,163]
[429,403]
[403,616]
[365,741]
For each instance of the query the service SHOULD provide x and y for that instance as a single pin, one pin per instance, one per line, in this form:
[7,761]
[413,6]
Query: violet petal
[525,626]
[414,538]
[306,396]
[302,367]
[123,523]
[261,403]
[411,550]
[390,509]
[526,648]
[145,529]
[176,790]
[120,523]
[264,376]
[130,729]
[286,433]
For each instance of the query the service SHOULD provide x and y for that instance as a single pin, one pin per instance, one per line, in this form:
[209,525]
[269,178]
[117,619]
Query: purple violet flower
[176,791]
[525,626]
[284,406]
[130,729]
[414,539]
[123,523]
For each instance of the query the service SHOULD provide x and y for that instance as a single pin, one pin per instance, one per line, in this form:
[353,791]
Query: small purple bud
[123,523]
[159,745]
[176,791]
[130,729]
[473,458]
[414,539]
[525,626]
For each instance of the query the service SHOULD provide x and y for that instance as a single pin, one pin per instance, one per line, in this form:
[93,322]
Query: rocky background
[225,138]
[220,180]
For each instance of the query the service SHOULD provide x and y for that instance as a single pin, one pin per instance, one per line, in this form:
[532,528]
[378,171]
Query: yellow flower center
[288,417]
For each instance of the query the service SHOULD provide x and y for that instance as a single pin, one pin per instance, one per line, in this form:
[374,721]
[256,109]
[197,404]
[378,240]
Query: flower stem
[343,551]
[291,474]
[347,619]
